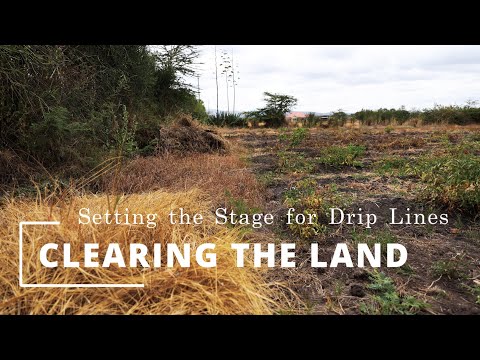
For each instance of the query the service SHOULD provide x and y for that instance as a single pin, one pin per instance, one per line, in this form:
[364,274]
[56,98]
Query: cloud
[326,78]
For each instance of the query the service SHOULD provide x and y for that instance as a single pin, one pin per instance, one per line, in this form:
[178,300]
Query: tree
[277,105]
[338,118]
[175,63]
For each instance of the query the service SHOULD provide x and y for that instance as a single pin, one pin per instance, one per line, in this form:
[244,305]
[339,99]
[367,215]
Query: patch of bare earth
[342,290]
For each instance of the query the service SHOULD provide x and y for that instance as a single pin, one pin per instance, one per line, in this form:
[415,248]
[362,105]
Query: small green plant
[474,290]
[388,129]
[294,162]
[338,288]
[337,156]
[298,135]
[301,189]
[267,178]
[454,268]
[293,138]
[386,299]
[314,202]
[239,206]
[391,166]
[406,270]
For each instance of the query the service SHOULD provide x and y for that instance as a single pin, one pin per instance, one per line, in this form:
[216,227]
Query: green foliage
[311,120]
[392,165]
[273,114]
[388,129]
[387,300]
[240,206]
[199,112]
[338,118]
[454,268]
[295,162]
[78,103]
[384,116]
[293,138]
[453,114]
[341,155]
[306,197]
[224,118]
[267,178]
[452,180]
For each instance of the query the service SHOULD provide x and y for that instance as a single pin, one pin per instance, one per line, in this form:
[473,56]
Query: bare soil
[342,290]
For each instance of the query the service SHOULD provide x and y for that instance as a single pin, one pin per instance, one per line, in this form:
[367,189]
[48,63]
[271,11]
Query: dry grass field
[270,170]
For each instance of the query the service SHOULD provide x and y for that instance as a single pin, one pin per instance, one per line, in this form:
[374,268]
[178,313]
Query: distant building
[295,115]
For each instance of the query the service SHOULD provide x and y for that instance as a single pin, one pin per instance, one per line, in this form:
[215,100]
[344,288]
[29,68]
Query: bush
[451,115]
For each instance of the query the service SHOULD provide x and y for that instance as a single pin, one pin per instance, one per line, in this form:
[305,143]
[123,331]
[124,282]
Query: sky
[329,78]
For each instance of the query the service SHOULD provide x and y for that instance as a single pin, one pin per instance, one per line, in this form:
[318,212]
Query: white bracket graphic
[20,265]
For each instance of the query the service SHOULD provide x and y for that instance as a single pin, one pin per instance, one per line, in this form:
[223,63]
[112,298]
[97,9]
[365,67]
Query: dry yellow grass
[224,289]
[213,174]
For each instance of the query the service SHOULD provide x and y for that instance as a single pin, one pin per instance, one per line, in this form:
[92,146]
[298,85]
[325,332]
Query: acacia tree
[175,64]
[277,105]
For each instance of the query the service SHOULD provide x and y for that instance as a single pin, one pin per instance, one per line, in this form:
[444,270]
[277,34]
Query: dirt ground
[344,290]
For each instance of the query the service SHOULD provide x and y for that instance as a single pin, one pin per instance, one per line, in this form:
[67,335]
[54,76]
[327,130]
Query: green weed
[386,299]
[391,166]
[452,181]
[293,138]
[308,198]
[337,156]
[294,162]
[267,178]
[454,268]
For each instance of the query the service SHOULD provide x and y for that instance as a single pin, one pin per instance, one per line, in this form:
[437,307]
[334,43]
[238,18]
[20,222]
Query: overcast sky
[328,78]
